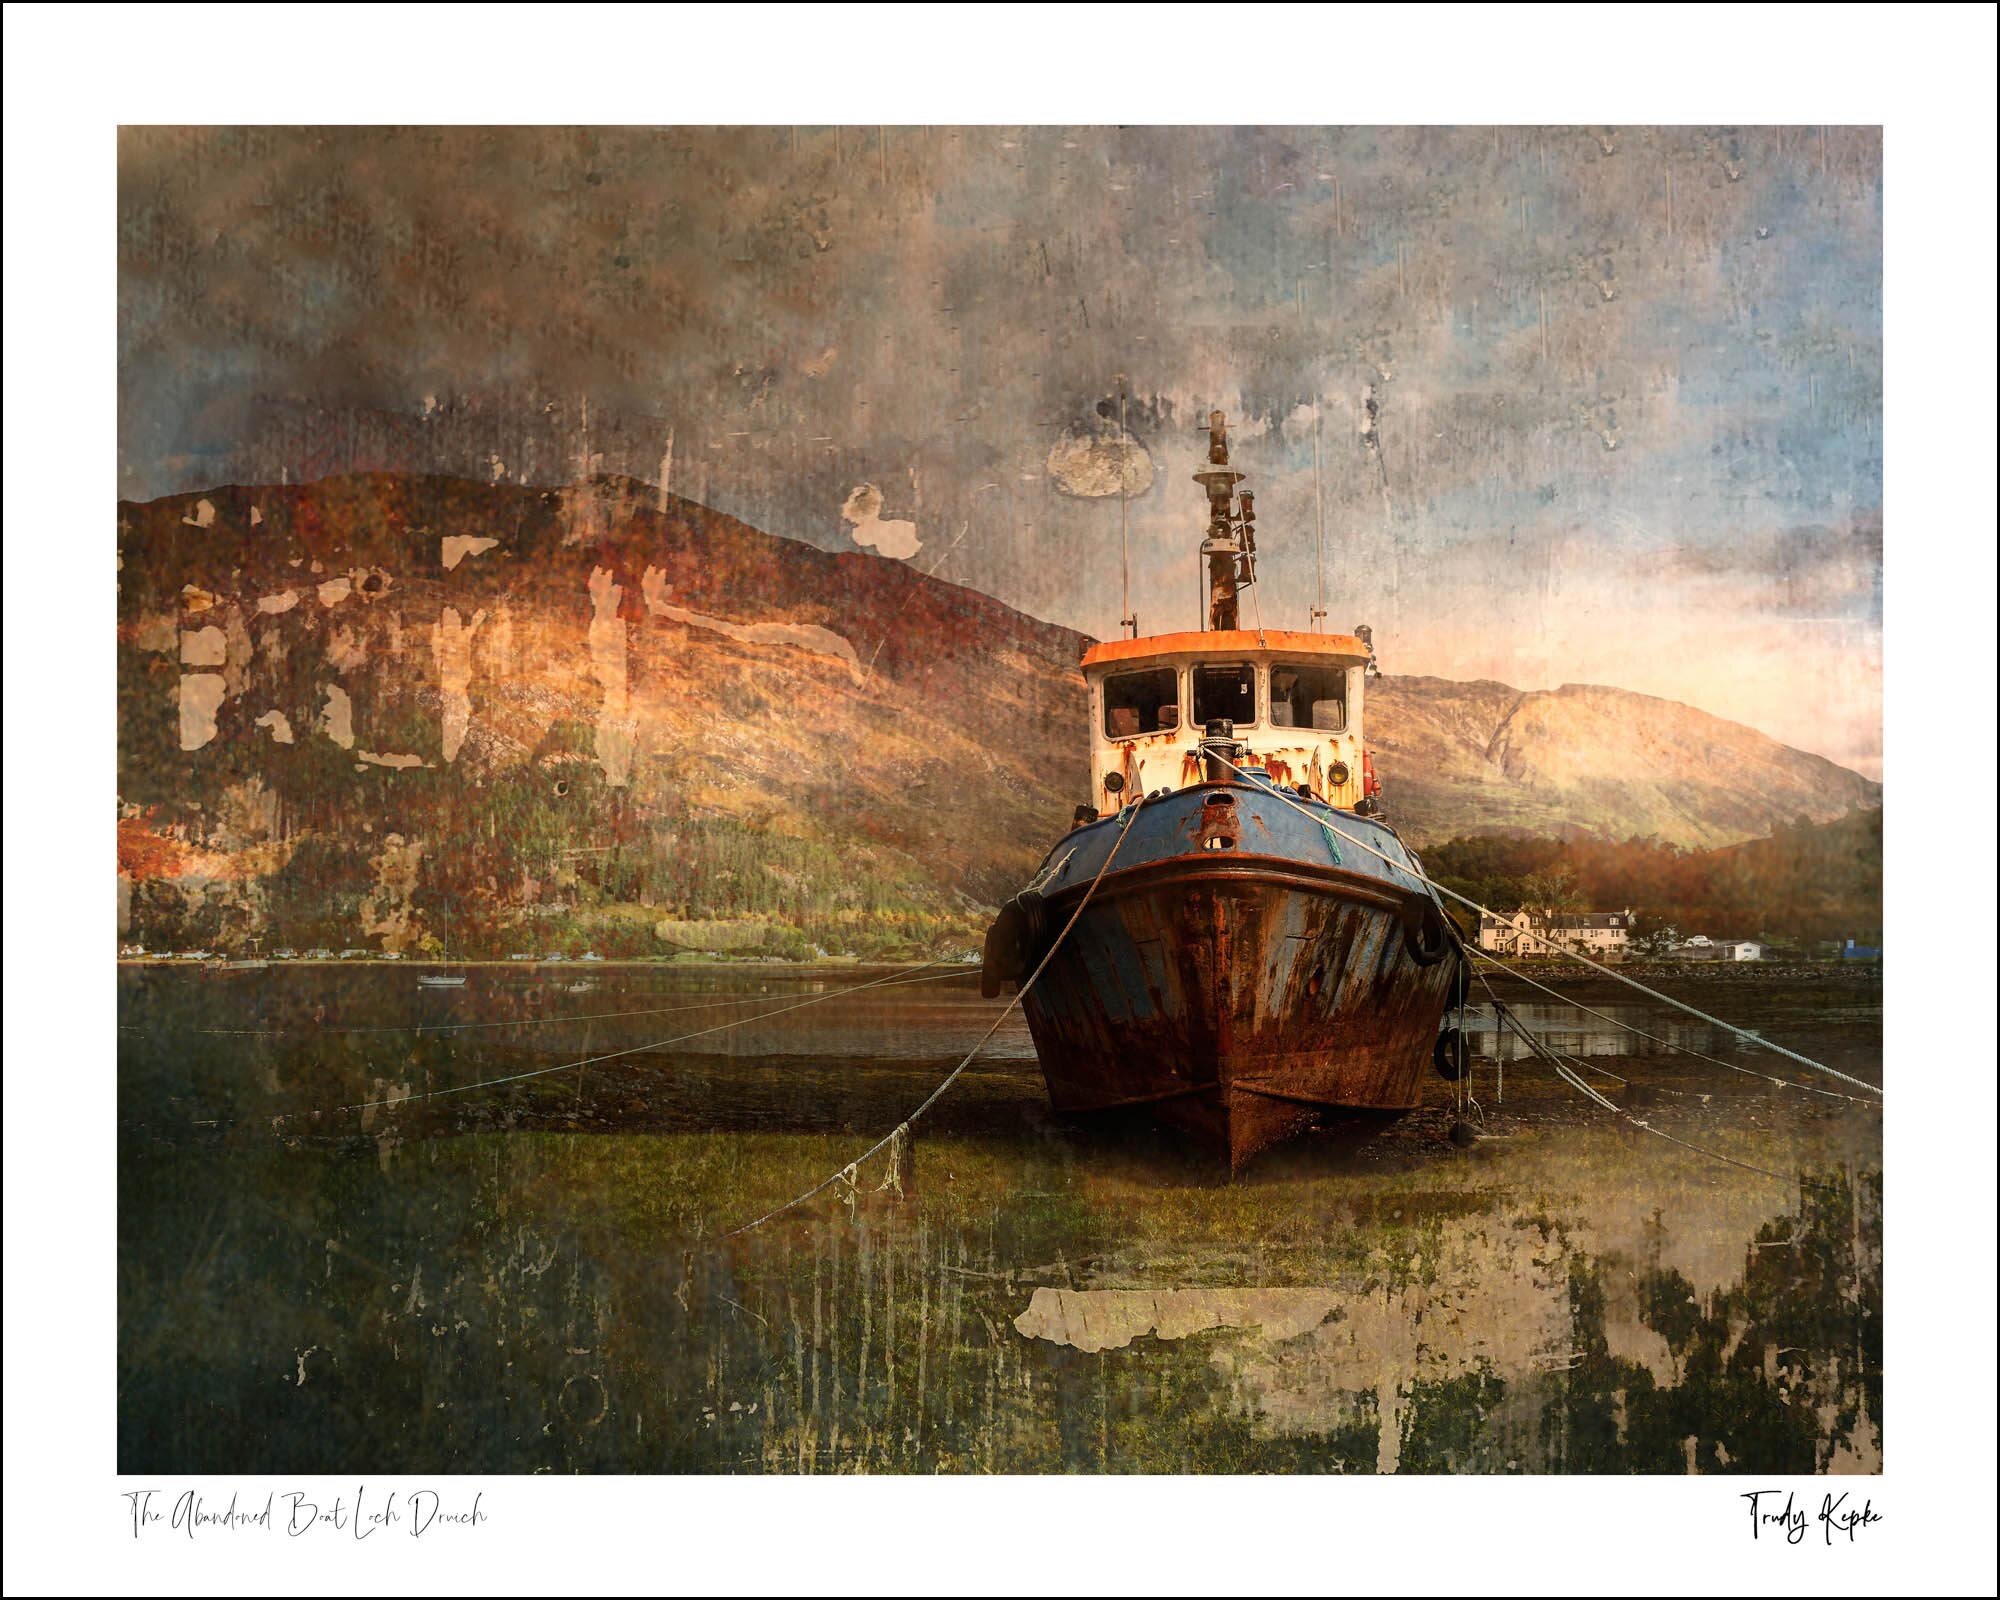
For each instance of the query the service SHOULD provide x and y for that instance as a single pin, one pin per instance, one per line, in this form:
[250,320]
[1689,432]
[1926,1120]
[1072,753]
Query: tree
[1653,933]
[1552,888]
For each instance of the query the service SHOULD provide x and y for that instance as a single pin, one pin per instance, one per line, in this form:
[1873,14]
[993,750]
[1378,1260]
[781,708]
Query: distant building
[1599,934]
[1850,951]
[1699,947]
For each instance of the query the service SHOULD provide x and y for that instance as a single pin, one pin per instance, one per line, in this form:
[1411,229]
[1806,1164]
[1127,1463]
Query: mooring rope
[1500,1012]
[614,1055]
[1630,983]
[1689,1050]
[1583,1065]
[519,1022]
[847,1173]
[1550,1057]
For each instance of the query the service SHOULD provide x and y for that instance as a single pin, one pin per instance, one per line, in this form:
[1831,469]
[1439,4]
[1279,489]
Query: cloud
[1558,368]
[1816,572]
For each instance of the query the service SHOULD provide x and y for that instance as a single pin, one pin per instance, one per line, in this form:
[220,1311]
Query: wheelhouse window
[1229,692]
[1141,702]
[1308,694]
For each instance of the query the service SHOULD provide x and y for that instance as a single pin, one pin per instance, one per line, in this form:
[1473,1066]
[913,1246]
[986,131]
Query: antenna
[1317,613]
[1126,619]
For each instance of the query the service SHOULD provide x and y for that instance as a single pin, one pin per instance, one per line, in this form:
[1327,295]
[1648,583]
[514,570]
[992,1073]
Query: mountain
[421,712]
[1466,758]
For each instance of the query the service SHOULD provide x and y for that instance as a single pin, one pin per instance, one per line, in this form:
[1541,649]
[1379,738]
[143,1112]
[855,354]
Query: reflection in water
[1512,1349]
[1574,1033]
[514,1281]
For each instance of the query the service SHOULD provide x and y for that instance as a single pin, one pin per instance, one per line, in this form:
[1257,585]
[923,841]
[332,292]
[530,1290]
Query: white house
[1700,947]
[1601,935]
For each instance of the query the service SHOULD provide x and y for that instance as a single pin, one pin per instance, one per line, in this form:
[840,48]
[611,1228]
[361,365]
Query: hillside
[1809,882]
[410,712]
[1484,758]
[378,708]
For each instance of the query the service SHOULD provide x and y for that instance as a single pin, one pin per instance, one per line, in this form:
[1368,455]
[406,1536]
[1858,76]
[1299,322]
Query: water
[521,1278]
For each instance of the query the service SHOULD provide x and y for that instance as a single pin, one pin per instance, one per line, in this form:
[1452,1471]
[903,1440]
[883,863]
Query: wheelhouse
[1293,699]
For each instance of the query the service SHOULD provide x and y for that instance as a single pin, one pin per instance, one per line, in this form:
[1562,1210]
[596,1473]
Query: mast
[1231,543]
[1126,617]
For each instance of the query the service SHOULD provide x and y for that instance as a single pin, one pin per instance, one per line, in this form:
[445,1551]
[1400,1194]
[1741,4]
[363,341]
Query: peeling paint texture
[452,645]
[799,635]
[1097,461]
[201,698]
[863,512]
[338,716]
[1109,1319]
[617,731]
[205,647]
[455,547]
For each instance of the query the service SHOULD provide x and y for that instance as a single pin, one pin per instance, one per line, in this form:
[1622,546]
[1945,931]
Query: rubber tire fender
[1425,934]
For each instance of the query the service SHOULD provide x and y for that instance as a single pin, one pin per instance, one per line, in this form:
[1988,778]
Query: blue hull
[1240,971]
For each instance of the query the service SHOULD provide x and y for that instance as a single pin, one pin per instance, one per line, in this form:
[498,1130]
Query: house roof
[1562,920]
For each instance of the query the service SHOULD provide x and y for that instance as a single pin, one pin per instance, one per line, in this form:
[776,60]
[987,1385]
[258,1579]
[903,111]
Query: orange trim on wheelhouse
[1234,641]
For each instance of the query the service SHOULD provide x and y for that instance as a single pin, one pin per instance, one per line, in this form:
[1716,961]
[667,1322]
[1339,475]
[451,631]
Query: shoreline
[1563,974]
[427,964]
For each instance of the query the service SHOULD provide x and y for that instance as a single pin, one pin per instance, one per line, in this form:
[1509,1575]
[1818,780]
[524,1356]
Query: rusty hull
[1243,998]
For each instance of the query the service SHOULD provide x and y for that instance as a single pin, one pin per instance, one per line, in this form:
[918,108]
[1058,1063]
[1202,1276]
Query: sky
[1591,405]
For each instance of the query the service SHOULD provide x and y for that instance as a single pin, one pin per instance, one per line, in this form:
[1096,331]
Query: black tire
[1001,964]
[1034,919]
[1425,935]
[1461,986]
[1451,1055]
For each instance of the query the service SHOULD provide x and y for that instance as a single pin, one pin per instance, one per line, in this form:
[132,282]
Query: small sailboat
[1263,955]
[444,979]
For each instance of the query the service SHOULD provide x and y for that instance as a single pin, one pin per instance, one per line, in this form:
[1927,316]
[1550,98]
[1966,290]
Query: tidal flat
[532,1276]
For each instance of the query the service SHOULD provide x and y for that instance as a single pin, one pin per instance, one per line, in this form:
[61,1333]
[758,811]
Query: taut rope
[1630,983]
[614,1055]
[902,1128]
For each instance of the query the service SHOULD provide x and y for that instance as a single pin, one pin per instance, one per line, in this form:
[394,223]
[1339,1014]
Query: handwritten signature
[1835,1516]
[296,1514]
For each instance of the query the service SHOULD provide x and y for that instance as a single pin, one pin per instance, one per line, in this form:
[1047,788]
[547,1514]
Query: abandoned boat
[1248,967]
